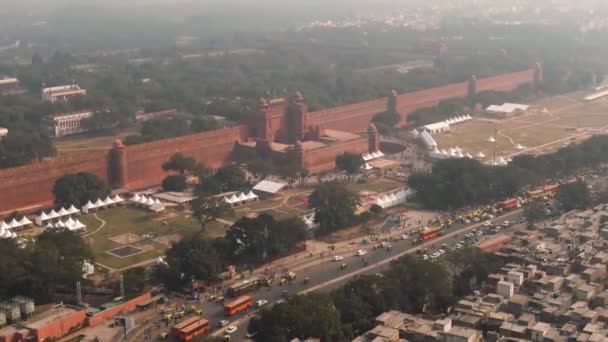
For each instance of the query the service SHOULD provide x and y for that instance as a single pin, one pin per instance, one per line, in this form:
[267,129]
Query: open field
[126,227]
[87,142]
[567,118]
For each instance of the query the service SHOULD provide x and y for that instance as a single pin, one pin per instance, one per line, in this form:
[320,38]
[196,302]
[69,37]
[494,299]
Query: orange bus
[237,305]
[190,328]
[511,203]
[429,233]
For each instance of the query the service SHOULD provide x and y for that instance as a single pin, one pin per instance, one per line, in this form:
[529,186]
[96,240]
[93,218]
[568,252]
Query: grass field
[87,142]
[567,117]
[136,221]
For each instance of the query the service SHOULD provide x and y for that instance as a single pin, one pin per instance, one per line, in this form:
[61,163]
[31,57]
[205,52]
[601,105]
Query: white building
[62,93]
[428,140]
[67,124]
[437,127]
[507,109]
[505,289]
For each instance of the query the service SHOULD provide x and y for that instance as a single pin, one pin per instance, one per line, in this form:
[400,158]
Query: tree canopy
[573,195]
[334,206]
[349,163]
[77,189]
[174,183]
[180,163]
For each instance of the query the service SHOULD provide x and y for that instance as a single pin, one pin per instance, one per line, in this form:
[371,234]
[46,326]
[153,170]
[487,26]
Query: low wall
[61,327]
[325,159]
[116,310]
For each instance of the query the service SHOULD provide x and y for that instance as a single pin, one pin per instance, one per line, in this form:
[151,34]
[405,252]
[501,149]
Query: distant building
[507,109]
[62,93]
[141,116]
[67,124]
[9,86]
[3,132]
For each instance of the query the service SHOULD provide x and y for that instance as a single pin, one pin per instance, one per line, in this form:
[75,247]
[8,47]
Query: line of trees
[39,269]
[454,183]
[247,243]
[410,285]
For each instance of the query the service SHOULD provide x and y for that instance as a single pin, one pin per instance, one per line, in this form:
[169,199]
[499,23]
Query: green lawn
[381,185]
[137,221]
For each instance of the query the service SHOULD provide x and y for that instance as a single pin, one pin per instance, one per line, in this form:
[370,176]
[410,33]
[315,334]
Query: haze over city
[303,170]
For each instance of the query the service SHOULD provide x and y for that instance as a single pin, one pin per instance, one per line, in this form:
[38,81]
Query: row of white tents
[444,126]
[371,156]
[70,224]
[393,199]
[7,234]
[108,201]
[53,215]
[14,223]
[240,199]
[144,200]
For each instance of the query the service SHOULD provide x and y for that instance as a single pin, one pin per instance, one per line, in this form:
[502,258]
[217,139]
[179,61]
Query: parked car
[261,303]
[231,329]
[338,258]
[361,252]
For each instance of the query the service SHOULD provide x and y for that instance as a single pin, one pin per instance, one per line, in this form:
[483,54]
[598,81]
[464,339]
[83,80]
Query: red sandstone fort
[281,129]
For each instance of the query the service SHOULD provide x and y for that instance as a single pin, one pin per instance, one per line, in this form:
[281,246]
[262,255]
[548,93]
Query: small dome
[118,144]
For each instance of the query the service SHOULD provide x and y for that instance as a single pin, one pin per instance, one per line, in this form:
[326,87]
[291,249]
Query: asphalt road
[327,275]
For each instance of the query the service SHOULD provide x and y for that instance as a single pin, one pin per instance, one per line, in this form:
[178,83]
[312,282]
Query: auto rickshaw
[226,337]
[198,312]
[343,266]
[163,336]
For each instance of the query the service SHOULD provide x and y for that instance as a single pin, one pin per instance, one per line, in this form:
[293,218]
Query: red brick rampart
[213,148]
[116,310]
[324,159]
[30,186]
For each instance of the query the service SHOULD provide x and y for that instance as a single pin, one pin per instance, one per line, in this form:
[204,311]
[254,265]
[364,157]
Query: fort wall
[30,186]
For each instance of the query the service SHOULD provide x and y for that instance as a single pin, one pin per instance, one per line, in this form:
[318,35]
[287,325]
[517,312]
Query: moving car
[261,303]
[231,329]
[361,252]
[338,258]
[223,323]
[404,237]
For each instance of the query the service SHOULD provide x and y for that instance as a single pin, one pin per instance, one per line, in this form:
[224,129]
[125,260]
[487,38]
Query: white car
[441,251]
[261,303]
[361,252]
[223,323]
[435,255]
[338,258]
[405,237]
[231,330]
[425,257]
[487,223]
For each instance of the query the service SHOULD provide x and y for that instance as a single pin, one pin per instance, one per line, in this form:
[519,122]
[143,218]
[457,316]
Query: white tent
[53,214]
[252,196]
[14,224]
[3,226]
[242,197]
[63,212]
[5,234]
[117,199]
[79,225]
[72,210]
[135,198]
[227,200]
[367,166]
[99,203]
[491,139]
[150,201]
[60,224]
[87,207]
[49,226]
[480,155]
[108,201]
[520,147]
[269,186]
[366,157]
[25,221]
[41,218]
[468,155]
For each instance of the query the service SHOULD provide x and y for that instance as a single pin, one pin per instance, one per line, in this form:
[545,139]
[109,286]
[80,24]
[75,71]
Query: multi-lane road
[327,275]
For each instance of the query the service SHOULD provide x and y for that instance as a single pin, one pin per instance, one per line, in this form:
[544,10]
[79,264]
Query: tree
[573,195]
[180,163]
[349,163]
[208,210]
[535,212]
[304,316]
[193,258]
[134,280]
[174,183]
[231,178]
[261,167]
[375,209]
[334,207]
[14,270]
[77,189]
[22,146]
[57,258]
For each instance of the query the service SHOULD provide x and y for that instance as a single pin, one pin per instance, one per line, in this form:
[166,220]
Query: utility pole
[122,286]
[78,293]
